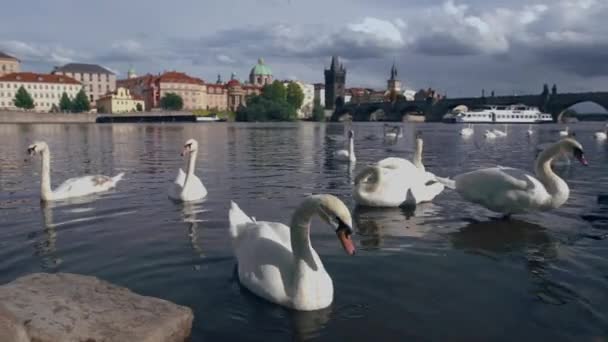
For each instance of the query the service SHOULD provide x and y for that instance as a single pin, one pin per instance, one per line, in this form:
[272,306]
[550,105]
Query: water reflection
[46,246]
[189,211]
[308,325]
[374,224]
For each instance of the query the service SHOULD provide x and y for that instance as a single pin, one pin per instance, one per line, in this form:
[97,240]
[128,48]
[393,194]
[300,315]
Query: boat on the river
[210,118]
[504,114]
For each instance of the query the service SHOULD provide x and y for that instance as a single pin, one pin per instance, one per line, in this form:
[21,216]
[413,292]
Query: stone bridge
[433,110]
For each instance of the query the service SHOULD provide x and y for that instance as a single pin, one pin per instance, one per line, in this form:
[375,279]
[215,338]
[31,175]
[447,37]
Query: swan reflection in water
[189,211]
[496,238]
[46,246]
[374,224]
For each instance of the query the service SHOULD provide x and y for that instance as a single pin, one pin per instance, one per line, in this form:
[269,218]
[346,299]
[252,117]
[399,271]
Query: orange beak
[344,236]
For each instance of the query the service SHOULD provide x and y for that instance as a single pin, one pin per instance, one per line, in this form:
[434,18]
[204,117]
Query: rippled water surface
[443,271]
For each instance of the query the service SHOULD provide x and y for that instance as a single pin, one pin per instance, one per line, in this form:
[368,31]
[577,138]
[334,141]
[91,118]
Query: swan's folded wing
[494,180]
[84,184]
[395,163]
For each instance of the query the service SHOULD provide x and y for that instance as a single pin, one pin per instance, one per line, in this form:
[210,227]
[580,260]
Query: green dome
[261,69]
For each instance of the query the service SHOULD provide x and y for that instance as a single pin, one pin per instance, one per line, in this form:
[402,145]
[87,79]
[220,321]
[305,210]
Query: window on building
[3,67]
[91,96]
[107,78]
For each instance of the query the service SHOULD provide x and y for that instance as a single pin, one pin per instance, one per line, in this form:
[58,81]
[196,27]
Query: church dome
[261,69]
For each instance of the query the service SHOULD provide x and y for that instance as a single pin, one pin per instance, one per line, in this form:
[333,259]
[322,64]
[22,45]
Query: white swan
[187,186]
[511,191]
[467,131]
[393,182]
[394,132]
[73,187]
[278,263]
[500,133]
[530,132]
[489,135]
[564,133]
[347,155]
[601,135]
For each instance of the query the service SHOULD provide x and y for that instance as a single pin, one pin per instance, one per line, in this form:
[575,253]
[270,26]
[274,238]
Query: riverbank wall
[33,117]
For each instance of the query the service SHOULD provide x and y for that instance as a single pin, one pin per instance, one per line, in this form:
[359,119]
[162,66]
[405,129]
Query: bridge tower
[393,85]
[335,80]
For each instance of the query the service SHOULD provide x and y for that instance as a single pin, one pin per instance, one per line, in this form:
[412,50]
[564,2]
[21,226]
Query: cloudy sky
[456,46]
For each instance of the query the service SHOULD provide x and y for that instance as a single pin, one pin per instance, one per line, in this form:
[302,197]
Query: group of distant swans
[278,263]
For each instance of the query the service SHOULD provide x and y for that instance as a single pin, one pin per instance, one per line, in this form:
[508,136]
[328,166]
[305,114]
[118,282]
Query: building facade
[96,79]
[195,93]
[46,90]
[335,80]
[260,74]
[9,64]
[119,101]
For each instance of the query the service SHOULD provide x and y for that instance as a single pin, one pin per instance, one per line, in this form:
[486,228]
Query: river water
[444,271]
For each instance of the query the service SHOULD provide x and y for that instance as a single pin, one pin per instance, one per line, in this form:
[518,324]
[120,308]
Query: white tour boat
[504,114]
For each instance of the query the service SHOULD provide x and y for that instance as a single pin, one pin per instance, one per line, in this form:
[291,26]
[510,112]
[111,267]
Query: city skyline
[457,47]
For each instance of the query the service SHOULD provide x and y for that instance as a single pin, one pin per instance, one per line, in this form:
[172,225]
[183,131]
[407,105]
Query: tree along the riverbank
[171,101]
[271,105]
[318,113]
[23,99]
[81,102]
[65,104]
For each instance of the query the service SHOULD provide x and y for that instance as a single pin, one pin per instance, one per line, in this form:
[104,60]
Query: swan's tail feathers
[450,183]
[118,177]
[237,219]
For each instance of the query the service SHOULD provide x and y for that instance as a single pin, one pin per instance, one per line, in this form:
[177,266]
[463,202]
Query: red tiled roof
[31,77]
[233,83]
[179,77]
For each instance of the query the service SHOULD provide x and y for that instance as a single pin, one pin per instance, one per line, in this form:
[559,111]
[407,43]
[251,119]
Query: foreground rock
[69,307]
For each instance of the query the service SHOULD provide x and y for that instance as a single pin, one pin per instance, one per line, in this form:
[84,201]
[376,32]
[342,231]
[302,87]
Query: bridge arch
[563,110]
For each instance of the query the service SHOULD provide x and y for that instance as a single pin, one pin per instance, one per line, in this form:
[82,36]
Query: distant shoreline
[16,117]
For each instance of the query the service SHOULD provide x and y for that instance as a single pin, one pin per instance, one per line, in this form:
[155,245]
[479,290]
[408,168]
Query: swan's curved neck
[555,186]
[191,166]
[351,147]
[45,183]
[300,238]
[417,160]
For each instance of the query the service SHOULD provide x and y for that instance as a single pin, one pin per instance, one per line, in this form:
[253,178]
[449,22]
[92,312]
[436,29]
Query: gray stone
[68,307]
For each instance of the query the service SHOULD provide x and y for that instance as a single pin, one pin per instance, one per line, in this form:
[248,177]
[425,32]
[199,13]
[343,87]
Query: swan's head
[191,146]
[333,211]
[37,147]
[569,145]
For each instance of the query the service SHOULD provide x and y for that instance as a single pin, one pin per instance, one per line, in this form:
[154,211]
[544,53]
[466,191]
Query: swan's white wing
[82,186]
[395,163]
[500,189]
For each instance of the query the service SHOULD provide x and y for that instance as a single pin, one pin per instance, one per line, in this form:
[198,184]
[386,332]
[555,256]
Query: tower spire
[393,71]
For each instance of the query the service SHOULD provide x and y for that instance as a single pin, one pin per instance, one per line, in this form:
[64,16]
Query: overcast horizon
[456,47]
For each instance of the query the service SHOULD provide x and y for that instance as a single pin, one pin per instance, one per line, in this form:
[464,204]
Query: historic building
[120,101]
[260,74]
[46,90]
[393,85]
[320,93]
[237,93]
[9,64]
[195,93]
[96,79]
[151,88]
[335,80]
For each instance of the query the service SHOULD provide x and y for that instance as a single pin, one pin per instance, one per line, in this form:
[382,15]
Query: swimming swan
[467,131]
[73,187]
[564,133]
[347,155]
[278,263]
[393,182]
[511,191]
[187,186]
